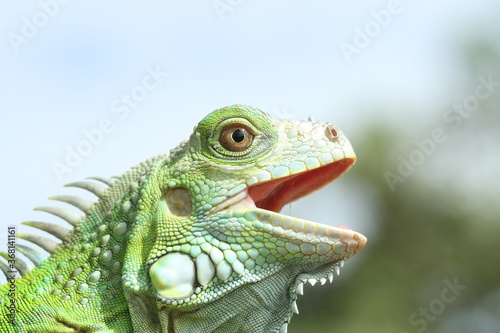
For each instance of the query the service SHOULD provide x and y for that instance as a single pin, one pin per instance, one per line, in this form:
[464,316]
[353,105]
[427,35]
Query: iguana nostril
[332,133]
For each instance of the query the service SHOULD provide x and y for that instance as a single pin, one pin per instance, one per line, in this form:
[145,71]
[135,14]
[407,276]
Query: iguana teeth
[322,281]
[295,309]
[342,263]
[300,289]
[68,216]
[312,282]
[95,188]
[330,277]
[337,270]
[284,328]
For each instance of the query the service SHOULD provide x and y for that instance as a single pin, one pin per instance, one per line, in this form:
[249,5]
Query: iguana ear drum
[179,201]
[173,276]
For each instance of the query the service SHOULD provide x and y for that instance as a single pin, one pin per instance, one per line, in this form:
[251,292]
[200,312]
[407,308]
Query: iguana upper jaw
[273,195]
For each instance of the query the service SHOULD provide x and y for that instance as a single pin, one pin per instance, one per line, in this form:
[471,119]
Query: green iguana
[191,241]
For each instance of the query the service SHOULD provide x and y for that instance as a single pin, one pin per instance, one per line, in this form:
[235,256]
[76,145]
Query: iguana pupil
[238,135]
[236,138]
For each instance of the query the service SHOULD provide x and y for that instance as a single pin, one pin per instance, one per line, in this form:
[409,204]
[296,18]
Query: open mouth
[275,194]
[267,198]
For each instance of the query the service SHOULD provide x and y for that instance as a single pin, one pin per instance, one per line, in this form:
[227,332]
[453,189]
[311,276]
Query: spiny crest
[35,255]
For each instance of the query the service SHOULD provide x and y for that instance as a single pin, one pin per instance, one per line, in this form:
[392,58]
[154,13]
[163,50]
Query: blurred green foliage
[433,264]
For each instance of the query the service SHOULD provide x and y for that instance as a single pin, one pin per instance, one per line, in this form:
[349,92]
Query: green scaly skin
[193,241]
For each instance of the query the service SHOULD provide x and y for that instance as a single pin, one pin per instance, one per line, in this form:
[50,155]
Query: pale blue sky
[284,57]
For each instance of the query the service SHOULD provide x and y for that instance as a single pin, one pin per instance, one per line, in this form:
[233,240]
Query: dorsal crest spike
[4,268]
[95,188]
[80,203]
[21,266]
[107,181]
[68,216]
[45,243]
[32,254]
[53,229]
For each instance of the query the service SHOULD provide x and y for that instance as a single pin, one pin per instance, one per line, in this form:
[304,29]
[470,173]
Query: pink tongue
[342,227]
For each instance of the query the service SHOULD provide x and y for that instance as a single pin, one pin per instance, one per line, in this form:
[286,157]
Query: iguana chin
[191,241]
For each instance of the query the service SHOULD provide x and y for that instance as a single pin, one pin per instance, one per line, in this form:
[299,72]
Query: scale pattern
[190,241]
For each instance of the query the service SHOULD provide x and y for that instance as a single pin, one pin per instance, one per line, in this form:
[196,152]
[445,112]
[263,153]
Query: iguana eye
[236,137]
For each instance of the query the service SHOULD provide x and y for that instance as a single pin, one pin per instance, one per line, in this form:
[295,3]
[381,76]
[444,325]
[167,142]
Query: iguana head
[220,256]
